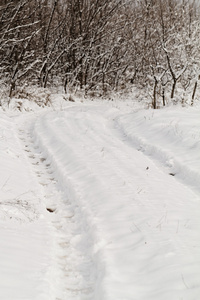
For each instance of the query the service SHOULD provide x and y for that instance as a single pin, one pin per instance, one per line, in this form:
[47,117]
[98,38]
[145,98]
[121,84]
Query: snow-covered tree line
[100,44]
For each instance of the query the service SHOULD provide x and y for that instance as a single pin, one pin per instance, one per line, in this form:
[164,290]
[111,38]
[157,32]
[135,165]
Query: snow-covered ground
[100,201]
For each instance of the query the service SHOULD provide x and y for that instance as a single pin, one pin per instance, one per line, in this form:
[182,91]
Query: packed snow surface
[100,201]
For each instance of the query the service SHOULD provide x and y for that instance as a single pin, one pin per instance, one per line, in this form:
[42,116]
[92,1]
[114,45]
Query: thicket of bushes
[101,46]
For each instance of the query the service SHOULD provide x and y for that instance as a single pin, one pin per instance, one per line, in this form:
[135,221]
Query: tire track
[72,271]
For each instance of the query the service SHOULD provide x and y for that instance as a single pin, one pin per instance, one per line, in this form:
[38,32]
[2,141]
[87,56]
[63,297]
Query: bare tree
[102,45]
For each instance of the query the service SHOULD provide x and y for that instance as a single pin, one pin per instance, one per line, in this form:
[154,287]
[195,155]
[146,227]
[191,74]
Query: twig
[184,282]
[5,183]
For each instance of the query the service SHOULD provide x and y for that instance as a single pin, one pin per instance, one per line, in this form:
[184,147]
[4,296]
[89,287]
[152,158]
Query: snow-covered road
[119,202]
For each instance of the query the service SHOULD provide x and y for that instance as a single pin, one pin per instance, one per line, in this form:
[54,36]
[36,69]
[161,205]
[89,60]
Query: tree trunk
[194,92]
[163,96]
[173,89]
[154,93]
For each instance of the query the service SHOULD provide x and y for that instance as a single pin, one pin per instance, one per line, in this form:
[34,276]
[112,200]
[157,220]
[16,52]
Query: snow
[100,201]
[24,246]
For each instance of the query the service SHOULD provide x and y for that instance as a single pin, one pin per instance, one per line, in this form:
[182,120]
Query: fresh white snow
[100,201]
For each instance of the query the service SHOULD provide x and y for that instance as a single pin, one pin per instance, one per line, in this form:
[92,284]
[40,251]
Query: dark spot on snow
[51,210]
[43,184]
[42,159]
[147,168]
[172,174]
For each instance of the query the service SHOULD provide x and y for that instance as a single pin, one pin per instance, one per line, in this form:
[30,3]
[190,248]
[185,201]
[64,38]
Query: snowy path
[144,224]
[111,222]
